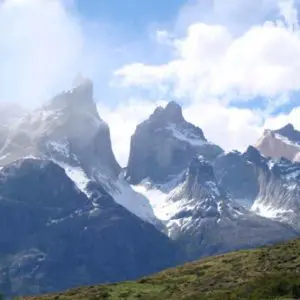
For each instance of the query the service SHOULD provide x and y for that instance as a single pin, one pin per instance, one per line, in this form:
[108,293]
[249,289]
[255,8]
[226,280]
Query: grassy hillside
[264,273]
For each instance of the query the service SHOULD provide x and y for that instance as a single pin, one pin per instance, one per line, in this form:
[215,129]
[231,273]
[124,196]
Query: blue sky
[234,65]
[133,17]
[131,25]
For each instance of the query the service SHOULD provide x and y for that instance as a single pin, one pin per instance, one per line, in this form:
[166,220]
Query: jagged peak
[172,113]
[252,153]
[287,127]
[80,97]
[289,132]
[201,183]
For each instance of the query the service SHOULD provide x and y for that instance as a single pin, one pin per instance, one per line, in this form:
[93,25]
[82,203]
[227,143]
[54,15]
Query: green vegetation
[264,273]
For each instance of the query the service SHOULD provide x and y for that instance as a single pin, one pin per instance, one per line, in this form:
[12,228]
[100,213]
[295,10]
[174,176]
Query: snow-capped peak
[163,146]
[195,195]
[284,142]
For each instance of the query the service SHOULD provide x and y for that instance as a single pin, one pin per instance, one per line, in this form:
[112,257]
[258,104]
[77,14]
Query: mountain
[202,218]
[270,187]
[264,273]
[207,214]
[237,173]
[284,142]
[164,145]
[54,237]
[279,196]
[200,193]
[85,220]
[69,131]
[237,176]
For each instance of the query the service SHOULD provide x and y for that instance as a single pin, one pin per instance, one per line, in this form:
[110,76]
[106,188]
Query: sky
[233,65]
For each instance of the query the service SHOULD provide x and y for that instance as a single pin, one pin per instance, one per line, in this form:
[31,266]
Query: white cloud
[41,43]
[211,62]
[215,68]
[280,120]
[231,128]
[44,44]
[289,12]
[164,37]
[237,15]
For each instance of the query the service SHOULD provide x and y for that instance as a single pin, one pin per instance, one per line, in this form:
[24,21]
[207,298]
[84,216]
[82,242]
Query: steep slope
[284,142]
[279,195]
[201,194]
[69,131]
[238,177]
[53,237]
[265,273]
[204,221]
[271,188]
[208,215]
[164,145]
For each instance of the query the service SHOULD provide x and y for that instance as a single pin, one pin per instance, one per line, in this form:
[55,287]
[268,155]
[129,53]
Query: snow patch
[77,175]
[177,225]
[213,187]
[160,200]
[186,136]
[132,200]
[269,211]
[61,148]
[286,140]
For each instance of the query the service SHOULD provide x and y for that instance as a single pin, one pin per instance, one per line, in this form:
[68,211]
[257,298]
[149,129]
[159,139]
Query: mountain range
[70,215]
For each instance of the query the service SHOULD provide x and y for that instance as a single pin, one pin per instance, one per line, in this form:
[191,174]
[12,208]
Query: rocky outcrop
[53,237]
[164,145]
[68,130]
[284,142]
[207,221]
[269,187]
[237,176]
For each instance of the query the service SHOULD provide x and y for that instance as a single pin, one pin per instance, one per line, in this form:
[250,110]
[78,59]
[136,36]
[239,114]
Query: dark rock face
[207,237]
[237,176]
[289,132]
[279,193]
[201,183]
[53,237]
[164,145]
[269,187]
[213,223]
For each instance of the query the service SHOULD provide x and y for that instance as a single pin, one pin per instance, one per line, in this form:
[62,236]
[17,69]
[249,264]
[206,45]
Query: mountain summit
[172,113]
[284,142]
[69,130]
[163,146]
[290,133]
